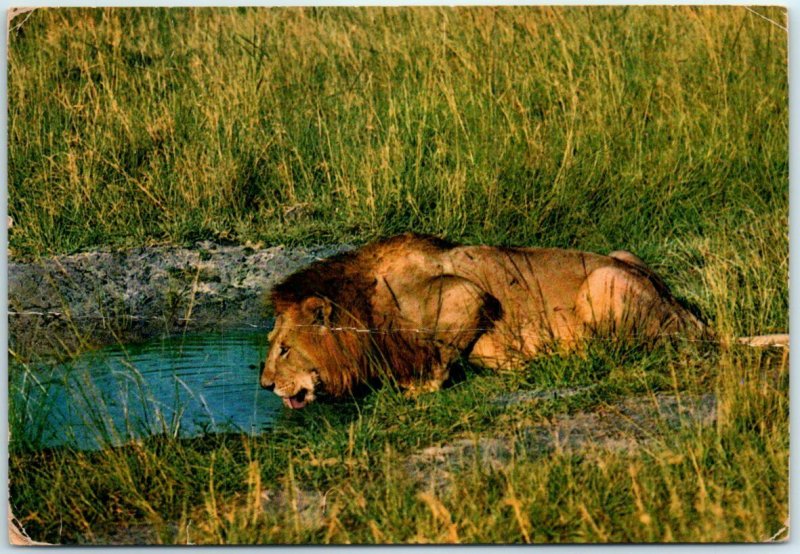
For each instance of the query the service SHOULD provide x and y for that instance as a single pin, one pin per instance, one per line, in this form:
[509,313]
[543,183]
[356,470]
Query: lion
[412,304]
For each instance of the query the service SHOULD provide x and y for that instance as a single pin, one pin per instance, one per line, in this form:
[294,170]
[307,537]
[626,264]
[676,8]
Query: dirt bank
[62,304]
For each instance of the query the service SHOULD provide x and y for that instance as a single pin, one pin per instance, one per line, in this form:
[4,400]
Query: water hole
[182,386]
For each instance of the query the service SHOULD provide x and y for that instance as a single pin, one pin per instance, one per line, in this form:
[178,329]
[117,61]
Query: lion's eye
[283,351]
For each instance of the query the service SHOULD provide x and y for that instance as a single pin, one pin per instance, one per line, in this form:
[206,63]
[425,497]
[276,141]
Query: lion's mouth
[296,401]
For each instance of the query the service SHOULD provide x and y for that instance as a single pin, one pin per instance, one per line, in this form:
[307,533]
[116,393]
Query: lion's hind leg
[617,301]
[629,258]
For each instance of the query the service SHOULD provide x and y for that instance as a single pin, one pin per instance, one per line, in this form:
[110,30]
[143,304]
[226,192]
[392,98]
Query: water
[182,387]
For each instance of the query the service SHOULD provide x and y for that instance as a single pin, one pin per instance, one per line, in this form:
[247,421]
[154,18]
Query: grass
[724,482]
[661,130]
[596,128]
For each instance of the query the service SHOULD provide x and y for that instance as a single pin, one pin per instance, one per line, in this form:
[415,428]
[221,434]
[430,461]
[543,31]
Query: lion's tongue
[294,403]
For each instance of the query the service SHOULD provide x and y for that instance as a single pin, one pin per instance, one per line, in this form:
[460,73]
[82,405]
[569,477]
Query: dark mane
[430,241]
[348,281]
[321,278]
[344,278]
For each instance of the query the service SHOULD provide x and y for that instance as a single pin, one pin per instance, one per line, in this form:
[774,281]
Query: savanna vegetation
[661,130]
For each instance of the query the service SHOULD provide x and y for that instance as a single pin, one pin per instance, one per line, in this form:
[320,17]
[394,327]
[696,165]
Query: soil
[59,306]
[628,425]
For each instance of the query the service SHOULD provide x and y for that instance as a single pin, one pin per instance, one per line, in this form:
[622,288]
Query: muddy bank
[63,304]
[628,425]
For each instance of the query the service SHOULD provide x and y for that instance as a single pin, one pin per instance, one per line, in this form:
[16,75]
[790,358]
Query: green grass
[663,131]
[724,482]
[595,128]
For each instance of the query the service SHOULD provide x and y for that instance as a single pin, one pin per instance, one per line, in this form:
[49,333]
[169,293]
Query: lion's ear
[319,309]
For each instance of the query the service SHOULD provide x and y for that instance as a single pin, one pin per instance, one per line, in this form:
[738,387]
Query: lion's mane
[358,347]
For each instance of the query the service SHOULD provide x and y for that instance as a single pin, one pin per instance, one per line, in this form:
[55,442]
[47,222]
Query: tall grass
[589,127]
[658,130]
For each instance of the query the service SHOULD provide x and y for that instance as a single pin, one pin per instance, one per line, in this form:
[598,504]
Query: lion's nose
[266,383]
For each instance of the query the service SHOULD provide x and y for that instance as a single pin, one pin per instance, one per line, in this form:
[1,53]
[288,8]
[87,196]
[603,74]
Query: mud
[61,305]
[629,425]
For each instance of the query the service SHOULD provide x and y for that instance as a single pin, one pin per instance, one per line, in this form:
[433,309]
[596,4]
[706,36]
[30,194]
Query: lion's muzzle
[299,399]
[296,401]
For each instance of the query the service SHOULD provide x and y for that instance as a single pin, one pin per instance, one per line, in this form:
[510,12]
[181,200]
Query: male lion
[413,304]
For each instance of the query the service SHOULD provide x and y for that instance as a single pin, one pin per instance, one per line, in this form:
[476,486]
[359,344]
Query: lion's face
[292,368]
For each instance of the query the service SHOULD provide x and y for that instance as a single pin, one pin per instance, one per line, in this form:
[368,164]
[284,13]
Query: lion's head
[315,346]
[292,367]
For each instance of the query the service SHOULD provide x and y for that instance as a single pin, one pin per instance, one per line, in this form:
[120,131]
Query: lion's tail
[761,341]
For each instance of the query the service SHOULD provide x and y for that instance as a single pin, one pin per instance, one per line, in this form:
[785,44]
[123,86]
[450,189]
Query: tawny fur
[413,304]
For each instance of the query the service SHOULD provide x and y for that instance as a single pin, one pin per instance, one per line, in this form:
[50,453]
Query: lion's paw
[413,390]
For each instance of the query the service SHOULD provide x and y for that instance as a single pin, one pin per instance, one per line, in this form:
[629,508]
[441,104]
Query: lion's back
[551,273]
